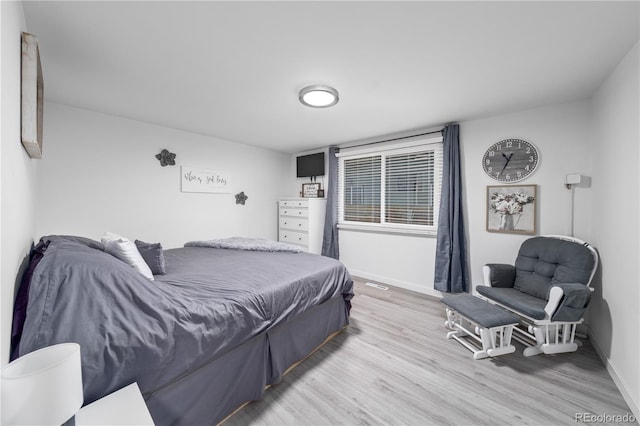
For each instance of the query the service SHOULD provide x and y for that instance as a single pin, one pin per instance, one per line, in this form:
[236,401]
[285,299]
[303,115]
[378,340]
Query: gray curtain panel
[451,248]
[330,238]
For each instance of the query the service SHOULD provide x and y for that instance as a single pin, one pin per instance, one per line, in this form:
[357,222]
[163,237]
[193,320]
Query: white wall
[18,172]
[400,260]
[614,324]
[99,173]
[560,133]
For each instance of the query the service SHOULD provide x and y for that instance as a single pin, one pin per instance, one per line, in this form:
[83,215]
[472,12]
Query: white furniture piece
[493,324]
[548,287]
[301,222]
[43,387]
[123,407]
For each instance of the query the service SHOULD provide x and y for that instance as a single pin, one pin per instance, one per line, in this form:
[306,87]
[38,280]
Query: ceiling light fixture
[318,96]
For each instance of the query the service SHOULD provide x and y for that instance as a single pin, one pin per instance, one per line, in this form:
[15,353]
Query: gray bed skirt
[210,394]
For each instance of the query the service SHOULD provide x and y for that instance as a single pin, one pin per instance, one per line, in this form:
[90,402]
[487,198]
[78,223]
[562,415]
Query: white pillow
[126,251]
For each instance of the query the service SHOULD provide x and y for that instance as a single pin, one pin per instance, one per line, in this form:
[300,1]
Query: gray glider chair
[548,288]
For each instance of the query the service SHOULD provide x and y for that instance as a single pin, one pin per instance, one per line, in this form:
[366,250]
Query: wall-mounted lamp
[577,180]
[573,181]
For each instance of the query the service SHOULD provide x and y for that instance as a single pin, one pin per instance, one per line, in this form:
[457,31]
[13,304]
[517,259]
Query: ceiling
[233,70]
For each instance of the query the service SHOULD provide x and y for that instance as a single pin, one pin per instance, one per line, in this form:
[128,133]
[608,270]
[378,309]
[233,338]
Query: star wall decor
[166,158]
[241,198]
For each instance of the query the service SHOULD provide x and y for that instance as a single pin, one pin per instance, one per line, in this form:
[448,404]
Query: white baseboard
[397,283]
[633,405]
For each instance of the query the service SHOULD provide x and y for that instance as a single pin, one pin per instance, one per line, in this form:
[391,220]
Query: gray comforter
[154,332]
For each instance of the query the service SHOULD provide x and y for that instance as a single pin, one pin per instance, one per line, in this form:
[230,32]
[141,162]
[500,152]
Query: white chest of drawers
[301,222]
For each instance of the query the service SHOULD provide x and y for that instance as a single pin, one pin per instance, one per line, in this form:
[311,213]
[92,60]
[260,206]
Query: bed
[201,340]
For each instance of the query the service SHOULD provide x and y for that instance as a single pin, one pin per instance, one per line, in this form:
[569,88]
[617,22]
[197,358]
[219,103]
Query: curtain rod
[394,139]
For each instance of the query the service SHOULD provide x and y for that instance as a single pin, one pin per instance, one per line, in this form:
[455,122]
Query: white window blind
[409,191]
[391,189]
[362,189]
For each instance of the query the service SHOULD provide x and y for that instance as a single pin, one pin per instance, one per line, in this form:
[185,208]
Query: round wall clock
[510,160]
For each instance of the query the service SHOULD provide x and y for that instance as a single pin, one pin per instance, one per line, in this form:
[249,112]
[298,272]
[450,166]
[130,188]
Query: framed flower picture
[511,209]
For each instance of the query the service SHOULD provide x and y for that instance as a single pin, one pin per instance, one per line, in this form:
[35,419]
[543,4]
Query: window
[395,189]
[362,183]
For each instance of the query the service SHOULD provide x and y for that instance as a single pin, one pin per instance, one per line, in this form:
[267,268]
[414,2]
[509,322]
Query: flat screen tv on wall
[310,165]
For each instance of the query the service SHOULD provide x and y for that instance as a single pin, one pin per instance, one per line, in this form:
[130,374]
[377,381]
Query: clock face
[510,160]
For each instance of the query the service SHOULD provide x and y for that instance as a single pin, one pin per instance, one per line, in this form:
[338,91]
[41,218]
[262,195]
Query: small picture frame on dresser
[310,190]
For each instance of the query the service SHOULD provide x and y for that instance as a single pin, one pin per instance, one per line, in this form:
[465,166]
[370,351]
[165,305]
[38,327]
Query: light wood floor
[394,366]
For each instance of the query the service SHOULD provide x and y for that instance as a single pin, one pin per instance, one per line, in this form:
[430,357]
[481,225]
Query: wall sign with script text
[195,179]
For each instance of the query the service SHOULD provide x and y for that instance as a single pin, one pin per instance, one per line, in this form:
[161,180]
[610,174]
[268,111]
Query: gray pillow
[152,255]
